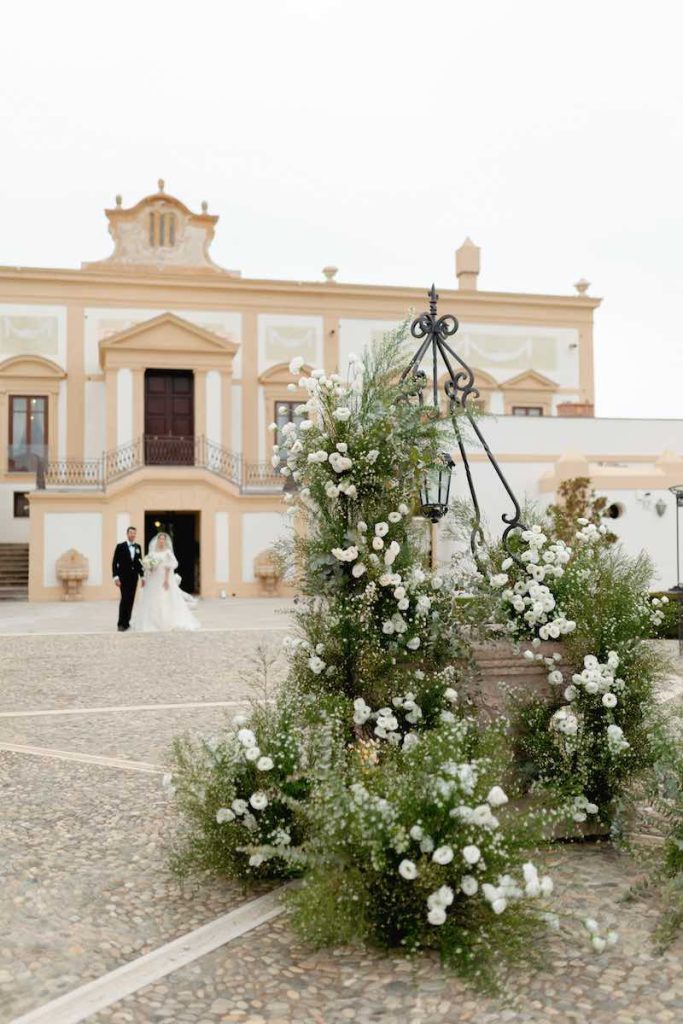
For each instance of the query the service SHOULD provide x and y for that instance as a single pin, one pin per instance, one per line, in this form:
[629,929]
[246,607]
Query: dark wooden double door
[169,417]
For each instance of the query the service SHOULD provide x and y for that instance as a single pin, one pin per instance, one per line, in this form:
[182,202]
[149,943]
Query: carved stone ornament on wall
[161,233]
[37,335]
[283,341]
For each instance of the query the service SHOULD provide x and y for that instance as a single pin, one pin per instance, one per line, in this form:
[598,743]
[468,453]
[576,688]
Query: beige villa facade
[140,388]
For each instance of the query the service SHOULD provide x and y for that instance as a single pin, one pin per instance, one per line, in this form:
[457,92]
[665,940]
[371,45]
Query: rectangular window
[284,413]
[527,410]
[27,432]
[21,505]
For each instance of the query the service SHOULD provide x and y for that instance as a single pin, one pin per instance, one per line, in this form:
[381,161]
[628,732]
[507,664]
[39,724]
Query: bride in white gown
[162,605]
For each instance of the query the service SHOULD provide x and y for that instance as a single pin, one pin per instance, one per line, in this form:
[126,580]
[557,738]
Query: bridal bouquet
[150,562]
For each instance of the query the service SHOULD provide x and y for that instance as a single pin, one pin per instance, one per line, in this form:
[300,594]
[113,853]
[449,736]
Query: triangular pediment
[31,366]
[168,334]
[530,380]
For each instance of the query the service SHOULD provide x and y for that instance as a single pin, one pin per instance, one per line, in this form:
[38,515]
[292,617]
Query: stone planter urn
[72,570]
[267,572]
[498,662]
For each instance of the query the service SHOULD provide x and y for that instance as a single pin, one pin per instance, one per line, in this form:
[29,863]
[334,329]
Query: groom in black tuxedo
[126,568]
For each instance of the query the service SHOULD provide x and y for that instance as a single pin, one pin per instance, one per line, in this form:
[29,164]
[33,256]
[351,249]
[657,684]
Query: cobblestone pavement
[86,888]
[92,670]
[84,884]
[267,977]
[138,736]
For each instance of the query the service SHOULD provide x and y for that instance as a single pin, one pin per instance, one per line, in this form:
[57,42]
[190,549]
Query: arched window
[162,229]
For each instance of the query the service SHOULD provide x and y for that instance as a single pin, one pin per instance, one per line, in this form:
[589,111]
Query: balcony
[152,451]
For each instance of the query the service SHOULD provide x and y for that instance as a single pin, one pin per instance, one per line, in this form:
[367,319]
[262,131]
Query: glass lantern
[435,488]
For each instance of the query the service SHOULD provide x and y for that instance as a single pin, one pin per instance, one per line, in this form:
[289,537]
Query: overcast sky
[374,135]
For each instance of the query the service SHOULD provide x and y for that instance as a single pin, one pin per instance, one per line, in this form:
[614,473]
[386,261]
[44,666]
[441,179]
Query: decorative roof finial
[330,273]
[205,206]
[119,200]
[433,299]
[582,286]
[162,184]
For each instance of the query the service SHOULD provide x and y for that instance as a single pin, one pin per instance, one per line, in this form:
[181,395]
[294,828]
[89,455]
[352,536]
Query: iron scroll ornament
[433,331]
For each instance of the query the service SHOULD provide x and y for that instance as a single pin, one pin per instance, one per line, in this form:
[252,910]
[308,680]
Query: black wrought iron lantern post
[433,331]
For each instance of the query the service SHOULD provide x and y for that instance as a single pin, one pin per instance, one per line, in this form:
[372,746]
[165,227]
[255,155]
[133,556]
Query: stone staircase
[13,572]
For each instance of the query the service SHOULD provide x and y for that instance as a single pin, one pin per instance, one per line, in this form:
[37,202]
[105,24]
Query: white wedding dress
[159,608]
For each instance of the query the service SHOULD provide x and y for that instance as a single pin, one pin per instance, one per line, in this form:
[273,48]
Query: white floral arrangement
[589,729]
[150,563]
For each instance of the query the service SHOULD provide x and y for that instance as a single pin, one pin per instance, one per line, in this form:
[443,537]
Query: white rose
[264,764]
[358,570]
[258,800]
[343,413]
[381,529]
[246,738]
[469,885]
[471,854]
[296,365]
[224,814]
[413,643]
[496,797]
[407,870]
[377,543]
[239,806]
[252,753]
[443,855]
[316,665]
[437,915]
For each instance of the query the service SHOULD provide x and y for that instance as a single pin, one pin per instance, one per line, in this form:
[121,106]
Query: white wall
[80,530]
[124,406]
[33,330]
[213,406]
[61,406]
[505,350]
[281,337]
[259,531]
[13,531]
[236,443]
[222,547]
[95,411]
[122,524]
[356,335]
[639,528]
[552,435]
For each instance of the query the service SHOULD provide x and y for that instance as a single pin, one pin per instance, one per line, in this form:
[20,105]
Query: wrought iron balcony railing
[149,450]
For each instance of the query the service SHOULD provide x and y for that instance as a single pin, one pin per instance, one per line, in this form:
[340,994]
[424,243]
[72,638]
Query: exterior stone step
[13,593]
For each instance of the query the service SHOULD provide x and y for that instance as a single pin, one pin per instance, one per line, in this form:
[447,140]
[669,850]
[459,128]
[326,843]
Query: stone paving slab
[269,977]
[84,879]
[42,672]
[134,735]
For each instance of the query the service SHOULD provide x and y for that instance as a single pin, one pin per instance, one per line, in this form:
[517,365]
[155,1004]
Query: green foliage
[577,500]
[663,792]
[593,738]
[670,609]
[393,834]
